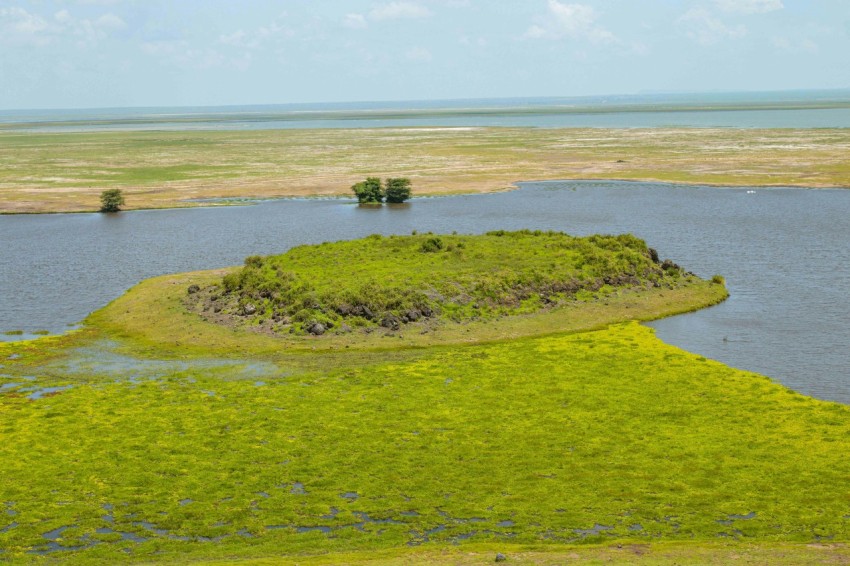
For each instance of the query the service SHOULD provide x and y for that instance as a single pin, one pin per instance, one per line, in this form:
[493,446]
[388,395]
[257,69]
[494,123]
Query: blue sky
[103,53]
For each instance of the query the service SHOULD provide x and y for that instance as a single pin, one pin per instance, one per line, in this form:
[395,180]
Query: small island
[423,282]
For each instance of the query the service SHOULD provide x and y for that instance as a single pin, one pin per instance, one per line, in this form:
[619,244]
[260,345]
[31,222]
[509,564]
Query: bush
[369,191]
[111,200]
[718,280]
[254,261]
[398,190]
[432,245]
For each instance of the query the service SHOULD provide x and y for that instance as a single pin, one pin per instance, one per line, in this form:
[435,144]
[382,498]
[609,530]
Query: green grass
[555,434]
[427,278]
[152,435]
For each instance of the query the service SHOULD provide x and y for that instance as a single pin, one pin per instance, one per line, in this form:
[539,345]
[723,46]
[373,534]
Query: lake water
[800,109]
[791,118]
[784,253]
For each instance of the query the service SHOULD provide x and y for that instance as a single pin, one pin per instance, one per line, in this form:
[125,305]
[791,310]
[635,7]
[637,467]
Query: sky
[124,53]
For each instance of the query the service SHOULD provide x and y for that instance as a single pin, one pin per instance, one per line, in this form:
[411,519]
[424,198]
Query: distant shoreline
[66,172]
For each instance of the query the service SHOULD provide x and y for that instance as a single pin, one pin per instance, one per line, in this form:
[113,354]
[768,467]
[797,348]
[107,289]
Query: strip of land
[66,172]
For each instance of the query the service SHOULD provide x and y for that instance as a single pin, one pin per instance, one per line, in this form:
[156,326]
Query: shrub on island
[388,282]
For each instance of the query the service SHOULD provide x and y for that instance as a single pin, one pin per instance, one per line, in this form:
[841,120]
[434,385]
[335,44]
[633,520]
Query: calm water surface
[789,109]
[745,118]
[784,253]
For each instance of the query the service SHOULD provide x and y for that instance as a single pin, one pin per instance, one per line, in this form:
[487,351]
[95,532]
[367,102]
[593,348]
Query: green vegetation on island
[424,280]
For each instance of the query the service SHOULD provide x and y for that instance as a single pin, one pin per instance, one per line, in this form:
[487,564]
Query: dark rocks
[411,316]
[426,311]
[391,321]
[343,310]
[501,557]
[653,255]
[668,265]
[193,289]
[364,311]
[316,328]
[620,280]
[248,309]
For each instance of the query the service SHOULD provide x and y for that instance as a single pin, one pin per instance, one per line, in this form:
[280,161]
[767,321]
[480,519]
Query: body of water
[784,253]
[797,109]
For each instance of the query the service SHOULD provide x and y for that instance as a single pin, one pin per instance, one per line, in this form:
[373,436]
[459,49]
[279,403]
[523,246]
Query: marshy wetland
[203,416]
[154,435]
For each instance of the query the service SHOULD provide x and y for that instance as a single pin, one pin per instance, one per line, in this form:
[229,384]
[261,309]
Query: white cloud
[791,45]
[181,54]
[164,47]
[89,32]
[110,22]
[475,42]
[237,39]
[399,11]
[391,11]
[706,29]
[63,17]
[355,21]
[19,27]
[256,38]
[419,54]
[750,6]
[576,21]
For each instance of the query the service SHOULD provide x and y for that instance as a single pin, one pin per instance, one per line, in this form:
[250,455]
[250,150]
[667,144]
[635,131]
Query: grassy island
[423,281]
[546,424]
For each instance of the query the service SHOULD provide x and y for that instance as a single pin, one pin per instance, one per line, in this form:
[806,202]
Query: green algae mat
[114,451]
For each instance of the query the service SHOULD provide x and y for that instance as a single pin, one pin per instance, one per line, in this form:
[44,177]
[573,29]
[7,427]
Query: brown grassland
[66,172]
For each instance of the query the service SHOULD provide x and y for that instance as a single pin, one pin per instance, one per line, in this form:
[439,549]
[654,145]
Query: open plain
[67,171]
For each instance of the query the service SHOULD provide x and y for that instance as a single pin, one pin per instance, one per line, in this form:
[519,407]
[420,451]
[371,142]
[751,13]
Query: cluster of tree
[111,200]
[372,190]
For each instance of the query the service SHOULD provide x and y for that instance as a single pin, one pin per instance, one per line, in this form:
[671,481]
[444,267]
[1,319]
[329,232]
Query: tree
[398,189]
[369,191]
[111,200]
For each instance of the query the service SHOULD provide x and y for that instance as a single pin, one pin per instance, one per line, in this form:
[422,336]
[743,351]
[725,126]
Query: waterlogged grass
[52,172]
[599,437]
[551,434]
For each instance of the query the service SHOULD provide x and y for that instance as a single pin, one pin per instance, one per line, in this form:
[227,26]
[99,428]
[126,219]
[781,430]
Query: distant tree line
[373,190]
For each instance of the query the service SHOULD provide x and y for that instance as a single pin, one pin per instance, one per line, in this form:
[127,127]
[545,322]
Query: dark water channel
[784,252]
